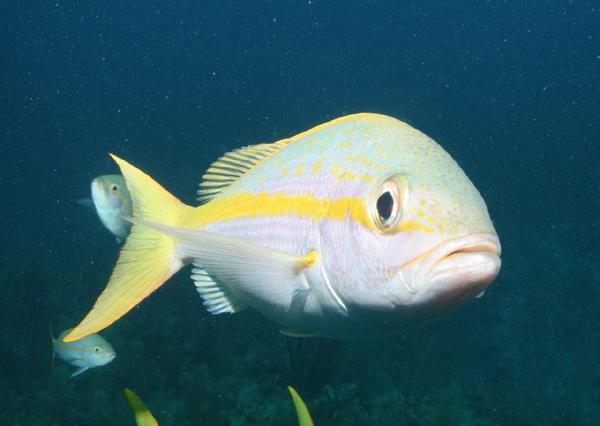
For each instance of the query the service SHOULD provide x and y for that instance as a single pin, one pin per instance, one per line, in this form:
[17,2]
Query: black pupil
[115,187]
[385,206]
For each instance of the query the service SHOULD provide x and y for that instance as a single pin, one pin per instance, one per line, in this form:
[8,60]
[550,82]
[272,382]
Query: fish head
[109,192]
[99,352]
[113,203]
[422,242]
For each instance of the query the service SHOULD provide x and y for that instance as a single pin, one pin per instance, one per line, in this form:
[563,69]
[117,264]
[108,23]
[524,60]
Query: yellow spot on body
[299,170]
[336,171]
[367,179]
[368,164]
[347,144]
[284,172]
[414,226]
[316,168]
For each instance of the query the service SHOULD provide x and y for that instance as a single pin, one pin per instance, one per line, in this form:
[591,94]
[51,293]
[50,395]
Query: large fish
[355,229]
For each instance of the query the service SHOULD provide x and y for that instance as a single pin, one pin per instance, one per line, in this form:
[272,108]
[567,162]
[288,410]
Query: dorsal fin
[233,165]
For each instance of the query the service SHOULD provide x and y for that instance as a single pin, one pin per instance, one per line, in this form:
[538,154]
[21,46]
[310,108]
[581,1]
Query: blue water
[510,89]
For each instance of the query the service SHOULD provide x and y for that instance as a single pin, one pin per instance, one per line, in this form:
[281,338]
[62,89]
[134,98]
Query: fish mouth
[109,358]
[98,194]
[466,254]
[102,198]
[452,273]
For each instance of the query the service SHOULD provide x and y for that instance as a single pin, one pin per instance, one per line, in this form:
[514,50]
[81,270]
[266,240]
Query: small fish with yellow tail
[113,204]
[302,413]
[355,229]
[141,412]
[89,352]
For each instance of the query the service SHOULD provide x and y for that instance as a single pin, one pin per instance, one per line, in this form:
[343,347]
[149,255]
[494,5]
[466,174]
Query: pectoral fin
[79,371]
[297,332]
[251,272]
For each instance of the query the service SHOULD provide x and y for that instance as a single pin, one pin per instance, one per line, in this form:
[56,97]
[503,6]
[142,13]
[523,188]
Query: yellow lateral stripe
[263,204]
[75,349]
[246,205]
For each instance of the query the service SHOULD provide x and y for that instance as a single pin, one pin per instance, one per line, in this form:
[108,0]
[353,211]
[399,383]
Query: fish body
[113,204]
[89,352]
[355,229]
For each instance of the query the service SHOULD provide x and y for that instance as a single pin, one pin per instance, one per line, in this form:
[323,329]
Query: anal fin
[297,332]
[217,298]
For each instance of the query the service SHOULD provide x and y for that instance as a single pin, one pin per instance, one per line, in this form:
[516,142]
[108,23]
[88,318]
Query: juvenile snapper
[113,204]
[355,229]
[89,352]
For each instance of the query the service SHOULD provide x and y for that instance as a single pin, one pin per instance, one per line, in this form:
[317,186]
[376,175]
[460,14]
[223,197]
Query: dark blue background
[511,89]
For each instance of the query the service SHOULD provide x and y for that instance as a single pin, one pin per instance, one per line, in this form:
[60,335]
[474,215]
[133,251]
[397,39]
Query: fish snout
[98,193]
[452,274]
[463,269]
[108,357]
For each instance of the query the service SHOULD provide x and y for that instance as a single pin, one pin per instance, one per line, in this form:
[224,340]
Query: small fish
[143,416]
[304,418]
[356,229]
[113,204]
[89,352]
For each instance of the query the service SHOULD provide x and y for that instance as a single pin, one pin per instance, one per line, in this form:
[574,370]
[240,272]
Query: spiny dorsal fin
[233,165]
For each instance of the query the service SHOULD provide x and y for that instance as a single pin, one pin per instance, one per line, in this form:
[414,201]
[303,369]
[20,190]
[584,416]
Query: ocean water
[510,89]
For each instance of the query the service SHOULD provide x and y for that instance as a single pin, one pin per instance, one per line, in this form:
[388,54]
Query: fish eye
[96,349]
[389,203]
[115,187]
[385,206]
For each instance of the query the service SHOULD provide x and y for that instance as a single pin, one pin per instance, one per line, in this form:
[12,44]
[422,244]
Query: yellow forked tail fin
[147,259]
[143,416]
[304,418]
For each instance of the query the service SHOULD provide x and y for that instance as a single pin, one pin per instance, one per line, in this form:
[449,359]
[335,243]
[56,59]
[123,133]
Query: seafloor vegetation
[524,354]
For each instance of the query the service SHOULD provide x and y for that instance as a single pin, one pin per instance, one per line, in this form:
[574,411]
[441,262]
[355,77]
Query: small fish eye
[96,349]
[115,187]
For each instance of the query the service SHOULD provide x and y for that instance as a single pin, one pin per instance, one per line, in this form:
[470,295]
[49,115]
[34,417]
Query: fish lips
[108,358]
[452,274]
[99,194]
